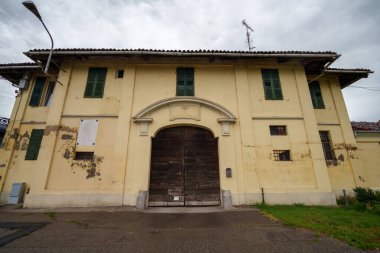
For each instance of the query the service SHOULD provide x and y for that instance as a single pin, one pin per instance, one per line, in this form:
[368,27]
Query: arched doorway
[184,168]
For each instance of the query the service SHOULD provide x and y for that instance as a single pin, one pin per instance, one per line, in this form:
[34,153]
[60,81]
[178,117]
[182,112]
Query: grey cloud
[349,28]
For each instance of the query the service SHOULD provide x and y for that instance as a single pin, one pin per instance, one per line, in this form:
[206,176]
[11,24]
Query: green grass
[359,228]
[51,215]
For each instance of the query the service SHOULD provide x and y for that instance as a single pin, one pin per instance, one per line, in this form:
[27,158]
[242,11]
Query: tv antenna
[249,30]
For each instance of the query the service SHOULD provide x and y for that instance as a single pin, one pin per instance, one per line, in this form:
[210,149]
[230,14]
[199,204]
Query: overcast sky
[350,28]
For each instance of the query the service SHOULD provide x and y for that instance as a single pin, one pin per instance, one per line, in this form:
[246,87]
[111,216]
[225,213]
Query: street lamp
[33,8]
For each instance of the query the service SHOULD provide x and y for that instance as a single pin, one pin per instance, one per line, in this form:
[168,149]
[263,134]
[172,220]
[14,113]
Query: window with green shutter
[95,83]
[34,144]
[316,95]
[272,85]
[39,84]
[185,82]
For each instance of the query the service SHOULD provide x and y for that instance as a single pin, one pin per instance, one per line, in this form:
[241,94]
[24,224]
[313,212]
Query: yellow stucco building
[111,127]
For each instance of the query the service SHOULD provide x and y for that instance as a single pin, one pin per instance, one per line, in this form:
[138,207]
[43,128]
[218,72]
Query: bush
[341,201]
[359,206]
[366,195]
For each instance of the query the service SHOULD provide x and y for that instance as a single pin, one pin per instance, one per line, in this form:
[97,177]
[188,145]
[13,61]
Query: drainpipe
[326,66]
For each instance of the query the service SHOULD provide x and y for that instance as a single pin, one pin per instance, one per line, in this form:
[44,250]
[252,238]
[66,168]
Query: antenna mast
[249,30]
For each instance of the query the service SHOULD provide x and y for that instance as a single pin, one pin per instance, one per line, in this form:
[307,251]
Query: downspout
[324,68]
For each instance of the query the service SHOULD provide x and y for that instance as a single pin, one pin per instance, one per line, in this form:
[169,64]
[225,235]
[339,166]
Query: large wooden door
[184,168]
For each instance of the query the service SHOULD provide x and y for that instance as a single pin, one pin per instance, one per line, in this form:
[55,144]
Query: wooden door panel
[184,168]
[201,168]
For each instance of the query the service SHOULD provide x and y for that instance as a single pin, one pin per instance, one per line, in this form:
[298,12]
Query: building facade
[181,128]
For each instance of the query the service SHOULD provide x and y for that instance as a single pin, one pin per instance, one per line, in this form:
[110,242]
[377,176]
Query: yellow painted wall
[122,163]
[334,118]
[369,151]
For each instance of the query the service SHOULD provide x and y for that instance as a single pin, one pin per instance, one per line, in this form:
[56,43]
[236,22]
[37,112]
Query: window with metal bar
[89,156]
[281,155]
[277,130]
[327,146]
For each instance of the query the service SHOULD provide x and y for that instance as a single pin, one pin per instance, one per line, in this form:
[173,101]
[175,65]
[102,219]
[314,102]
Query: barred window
[281,155]
[327,146]
[89,156]
[277,130]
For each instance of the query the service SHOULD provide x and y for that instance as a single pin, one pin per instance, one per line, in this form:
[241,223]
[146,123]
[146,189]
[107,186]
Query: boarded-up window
[87,132]
[272,85]
[35,98]
[316,95]
[95,83]
[185,82]
[34,144]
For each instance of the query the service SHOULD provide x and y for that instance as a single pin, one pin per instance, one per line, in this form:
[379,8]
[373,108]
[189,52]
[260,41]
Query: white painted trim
[169,101]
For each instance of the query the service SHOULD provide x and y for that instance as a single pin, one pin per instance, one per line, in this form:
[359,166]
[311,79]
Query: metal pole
[52,46]
[345,197]
[33,8]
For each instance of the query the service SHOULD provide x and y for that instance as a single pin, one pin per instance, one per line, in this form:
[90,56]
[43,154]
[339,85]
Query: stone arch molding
[227,117]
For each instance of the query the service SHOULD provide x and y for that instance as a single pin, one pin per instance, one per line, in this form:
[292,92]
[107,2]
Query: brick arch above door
[185,108]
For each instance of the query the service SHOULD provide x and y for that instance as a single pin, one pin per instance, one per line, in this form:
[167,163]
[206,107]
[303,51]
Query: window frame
[119,74]
[273,91]
[91,92]
[185,75]
[327,142]
[47,88]
[280,154]
[49,91]
[316,95]
[34,144]
[274,130]
[38,91]
[84,156]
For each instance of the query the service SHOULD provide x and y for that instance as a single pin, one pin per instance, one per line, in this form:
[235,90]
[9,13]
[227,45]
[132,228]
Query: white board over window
[88,129]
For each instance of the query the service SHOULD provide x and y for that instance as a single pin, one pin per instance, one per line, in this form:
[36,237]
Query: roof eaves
[103,51]
[348,71]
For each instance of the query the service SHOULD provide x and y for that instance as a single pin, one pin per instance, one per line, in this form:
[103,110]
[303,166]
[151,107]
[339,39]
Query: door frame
[210,203]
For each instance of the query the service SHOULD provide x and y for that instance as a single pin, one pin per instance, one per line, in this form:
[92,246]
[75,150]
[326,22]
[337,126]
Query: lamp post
[33,8]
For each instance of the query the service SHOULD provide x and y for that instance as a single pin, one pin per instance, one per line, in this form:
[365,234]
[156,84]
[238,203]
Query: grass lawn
[358,228]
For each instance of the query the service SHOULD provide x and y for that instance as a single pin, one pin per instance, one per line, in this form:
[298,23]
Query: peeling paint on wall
[67,137]
[55,128]
[14,134]
[91,166]
[22,141]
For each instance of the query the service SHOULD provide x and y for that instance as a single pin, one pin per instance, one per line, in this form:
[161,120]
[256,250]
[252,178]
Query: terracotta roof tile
[184,51]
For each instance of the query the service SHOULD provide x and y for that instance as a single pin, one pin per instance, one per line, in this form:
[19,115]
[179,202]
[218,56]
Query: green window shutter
[316,95]
[268,90]
[95,82]
[37,91]
[185,82]
[34,144]
[271,83]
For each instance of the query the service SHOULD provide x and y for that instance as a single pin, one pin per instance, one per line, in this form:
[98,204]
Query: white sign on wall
[88,129]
